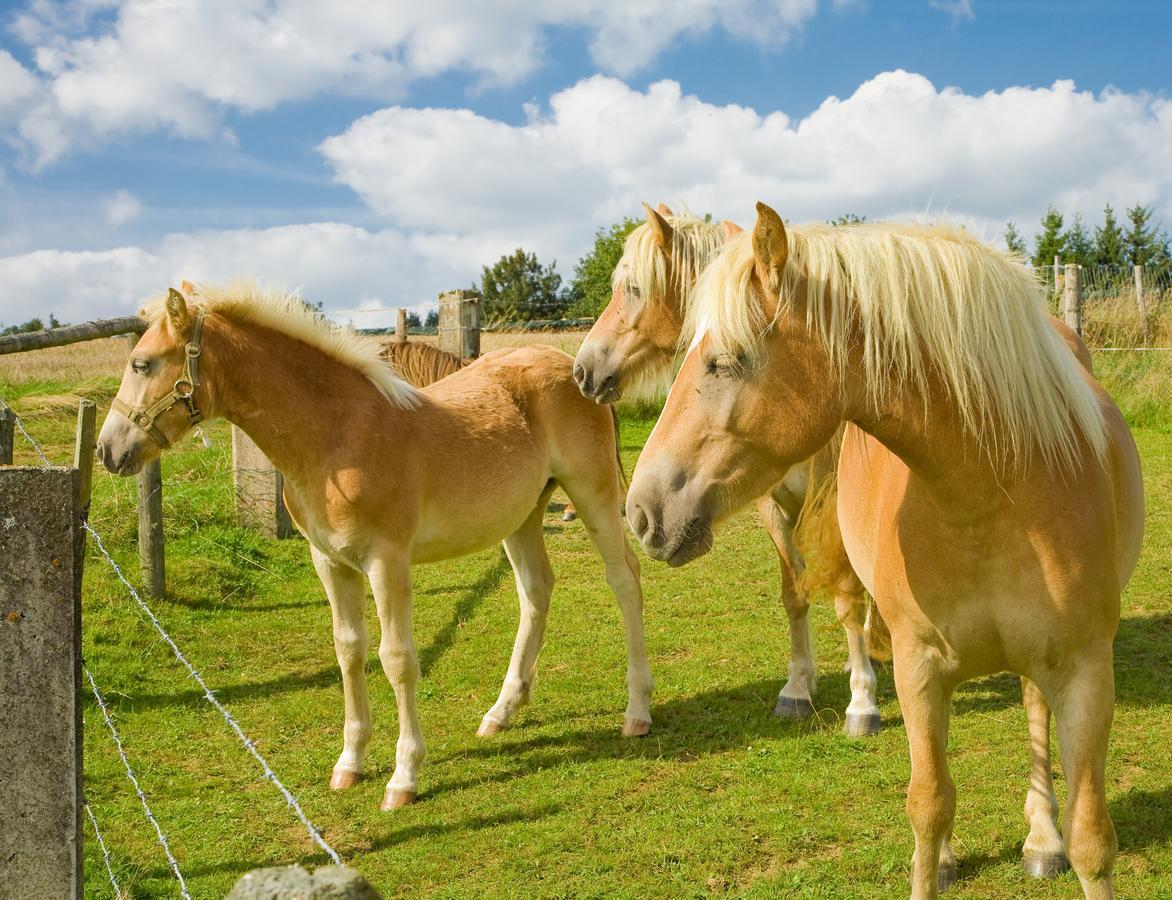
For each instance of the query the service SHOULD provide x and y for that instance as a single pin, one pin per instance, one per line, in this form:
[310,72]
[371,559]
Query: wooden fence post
[459,323]
[401,324]
[151,559]
[1139,301]
[40,684]
[1072,305]
[7,431]
[260,500]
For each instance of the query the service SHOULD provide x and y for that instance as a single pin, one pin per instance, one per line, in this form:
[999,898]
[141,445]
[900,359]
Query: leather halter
[183,392]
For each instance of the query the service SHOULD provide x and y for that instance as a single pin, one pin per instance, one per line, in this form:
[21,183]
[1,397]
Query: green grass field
[721,798]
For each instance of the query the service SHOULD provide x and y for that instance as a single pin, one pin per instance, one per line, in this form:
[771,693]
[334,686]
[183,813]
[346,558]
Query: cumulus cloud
[110,68]
[340,265]
[457,189]
[958,9]
[897,146]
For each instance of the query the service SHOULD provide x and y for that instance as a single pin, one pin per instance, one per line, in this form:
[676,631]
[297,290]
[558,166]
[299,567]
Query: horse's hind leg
[1042,854]
[862,715]
[598,507]
[525,549]
[1083,709]
[346,593]
[796,698]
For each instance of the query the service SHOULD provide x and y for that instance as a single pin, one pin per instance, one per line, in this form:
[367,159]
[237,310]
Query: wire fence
[248,744]
[1120,310]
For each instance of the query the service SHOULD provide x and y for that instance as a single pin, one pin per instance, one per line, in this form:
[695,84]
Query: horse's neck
[298,404]
[926,432]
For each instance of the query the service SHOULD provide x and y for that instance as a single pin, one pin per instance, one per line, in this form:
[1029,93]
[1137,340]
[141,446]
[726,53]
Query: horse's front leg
[796,698]
[390,581]
[344,588]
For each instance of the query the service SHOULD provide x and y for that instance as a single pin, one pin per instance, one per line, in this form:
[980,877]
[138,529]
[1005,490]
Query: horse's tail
[875,633]
[618,454]
[817,533]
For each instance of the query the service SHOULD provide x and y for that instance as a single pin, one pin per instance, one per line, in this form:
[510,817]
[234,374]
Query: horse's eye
[633,291]
[141,366]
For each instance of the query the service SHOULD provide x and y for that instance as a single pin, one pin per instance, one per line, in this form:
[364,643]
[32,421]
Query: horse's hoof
[344,778]
[569,515]
[861,724]
[793,708]
[1044,865]
[489,728]
[636,728]
[396,799]
[946,877]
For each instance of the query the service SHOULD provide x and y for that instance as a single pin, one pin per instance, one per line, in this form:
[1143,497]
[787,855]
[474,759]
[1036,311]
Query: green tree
[1109,241]
[1142,240]
[519,288]
[1014,241]
[848,219]
[590,287]
[432,320]
[1078,245]
[34,324]
[1050,241]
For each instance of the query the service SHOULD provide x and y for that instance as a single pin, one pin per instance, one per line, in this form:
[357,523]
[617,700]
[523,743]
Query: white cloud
[113,68]
[458,189]
[122,207]
[340,265]
[18,87]
[896,146]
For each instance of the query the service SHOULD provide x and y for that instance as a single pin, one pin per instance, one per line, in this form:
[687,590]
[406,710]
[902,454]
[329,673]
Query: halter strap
[183,392]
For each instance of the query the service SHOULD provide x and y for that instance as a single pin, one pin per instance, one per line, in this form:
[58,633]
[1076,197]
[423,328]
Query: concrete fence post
[1139,302]
[260,501]
[151,558]
[1072,297]
[41,794]
[459,323]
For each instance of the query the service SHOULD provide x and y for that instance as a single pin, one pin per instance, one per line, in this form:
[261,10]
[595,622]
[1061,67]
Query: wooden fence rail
[70,334]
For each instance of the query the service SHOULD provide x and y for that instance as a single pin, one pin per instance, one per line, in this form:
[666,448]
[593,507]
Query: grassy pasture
[719,799]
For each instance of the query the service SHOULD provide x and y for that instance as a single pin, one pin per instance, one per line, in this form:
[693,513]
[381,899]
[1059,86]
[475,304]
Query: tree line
[1138,241]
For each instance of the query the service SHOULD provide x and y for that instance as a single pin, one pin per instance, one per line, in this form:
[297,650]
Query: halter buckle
[183,389]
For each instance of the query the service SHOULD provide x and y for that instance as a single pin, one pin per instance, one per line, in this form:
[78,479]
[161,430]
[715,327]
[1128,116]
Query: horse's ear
[659,227]
[730,228]
[177,314]
[664,210]
[770,245]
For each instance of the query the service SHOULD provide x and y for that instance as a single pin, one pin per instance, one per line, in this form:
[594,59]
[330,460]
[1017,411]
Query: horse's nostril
[638,520]
[579,373]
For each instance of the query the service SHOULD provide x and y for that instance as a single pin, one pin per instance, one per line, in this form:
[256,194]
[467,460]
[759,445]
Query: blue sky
[380,157]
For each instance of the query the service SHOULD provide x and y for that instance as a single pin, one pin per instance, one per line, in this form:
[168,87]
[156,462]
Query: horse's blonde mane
[245,301]
[918,300]
[694,243]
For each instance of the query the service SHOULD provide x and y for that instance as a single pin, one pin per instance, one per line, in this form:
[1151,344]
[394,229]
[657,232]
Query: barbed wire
[133,780]
[31,440]
[105,851]
[269,774]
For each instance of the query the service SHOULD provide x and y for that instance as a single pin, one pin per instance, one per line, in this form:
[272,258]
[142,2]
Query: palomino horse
[380,476]
[424,365]
[638,337]
[989,490]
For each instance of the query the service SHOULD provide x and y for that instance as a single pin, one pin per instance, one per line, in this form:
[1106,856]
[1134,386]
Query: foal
[637,338]
[380,476]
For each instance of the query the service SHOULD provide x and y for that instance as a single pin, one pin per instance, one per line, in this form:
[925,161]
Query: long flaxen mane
[420,363]
[695,242]
[246,302]
[920,301]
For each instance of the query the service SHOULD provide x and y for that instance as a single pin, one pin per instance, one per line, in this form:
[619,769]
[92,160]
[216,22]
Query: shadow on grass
[477,823]
[1143,818]
[473,596]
